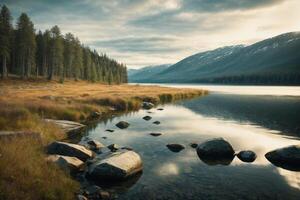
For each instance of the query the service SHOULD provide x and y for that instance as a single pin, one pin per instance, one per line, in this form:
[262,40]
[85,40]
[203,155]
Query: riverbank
[24,173]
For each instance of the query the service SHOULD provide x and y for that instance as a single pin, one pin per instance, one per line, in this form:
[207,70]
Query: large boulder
[67,162]
[147,105]
[246,156]
[119,165]
[122,124]
[215,151]
[68,149]
[67,126]
[287,157]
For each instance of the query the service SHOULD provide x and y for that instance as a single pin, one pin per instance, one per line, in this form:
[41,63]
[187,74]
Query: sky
[140,33]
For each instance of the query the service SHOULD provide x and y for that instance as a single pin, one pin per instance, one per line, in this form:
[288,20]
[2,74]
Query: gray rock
[68,149]
[119,165]
[287,157]
[147,118]
[156,134]
[175,147]
[122,125]
[215,148]
[194,145]
[127,148]
[246,156]
[67,162]
[156,122]
[109,130]
[67,126]
[113,147]
[95,145]
[147,105]
[160,109]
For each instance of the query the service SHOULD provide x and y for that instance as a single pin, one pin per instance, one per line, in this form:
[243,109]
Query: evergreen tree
[5,38]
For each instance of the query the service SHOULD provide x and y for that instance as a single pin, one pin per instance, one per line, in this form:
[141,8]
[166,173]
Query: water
[249,122]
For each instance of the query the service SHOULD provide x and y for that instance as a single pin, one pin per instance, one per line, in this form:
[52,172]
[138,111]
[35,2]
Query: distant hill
[272,61]
[136,75]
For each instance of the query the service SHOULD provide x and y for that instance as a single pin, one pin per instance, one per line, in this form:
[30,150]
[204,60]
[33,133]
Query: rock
[81,197]
[194,145]
[109,130]
[287,157]
[147,105]
[156,134]
[160,109]
[120,165]
[113,147]
[246,156]
[68,149]
[215,148]
[147,118]
[104,137]
[92,190]
[71,163]
[175,147]
[95,145]
[156,122]
[150,112]
[104,195]
[122,125]
[67,126]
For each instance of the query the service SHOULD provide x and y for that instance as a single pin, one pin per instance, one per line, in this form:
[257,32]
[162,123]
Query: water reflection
[183,175]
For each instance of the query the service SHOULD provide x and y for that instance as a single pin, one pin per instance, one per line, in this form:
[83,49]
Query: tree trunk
[4,68]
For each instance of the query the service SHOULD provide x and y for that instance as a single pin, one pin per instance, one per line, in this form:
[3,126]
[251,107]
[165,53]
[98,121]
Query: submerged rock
[160,109]
[122,125]
[120,165]
[67,162]
[147,118]
[175,147]
[156,134]
[127,148]
[113,147]
[216,151]
[194,145]
[109,130]
[246,156]
[147,105]
[156,122]
[68,149]
[287,157]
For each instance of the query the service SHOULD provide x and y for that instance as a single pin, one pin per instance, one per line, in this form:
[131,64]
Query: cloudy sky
[149,32]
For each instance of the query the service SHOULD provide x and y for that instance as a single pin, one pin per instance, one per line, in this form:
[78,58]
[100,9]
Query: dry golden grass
[24,173]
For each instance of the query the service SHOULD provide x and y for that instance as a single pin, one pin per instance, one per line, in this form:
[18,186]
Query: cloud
[139,44]
[148,32]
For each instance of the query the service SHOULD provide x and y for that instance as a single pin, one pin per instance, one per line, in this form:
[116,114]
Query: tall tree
[26,45]
[56,54]
[5,38]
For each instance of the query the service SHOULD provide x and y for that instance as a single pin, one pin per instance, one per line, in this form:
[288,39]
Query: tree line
[27,53]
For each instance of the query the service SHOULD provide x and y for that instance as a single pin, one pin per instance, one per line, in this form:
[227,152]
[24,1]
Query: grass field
[24,173]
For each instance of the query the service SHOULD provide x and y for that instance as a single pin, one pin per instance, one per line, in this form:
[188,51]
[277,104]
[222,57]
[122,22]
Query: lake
[253,118]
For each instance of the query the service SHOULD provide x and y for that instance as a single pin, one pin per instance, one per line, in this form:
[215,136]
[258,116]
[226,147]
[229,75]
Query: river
[256,118]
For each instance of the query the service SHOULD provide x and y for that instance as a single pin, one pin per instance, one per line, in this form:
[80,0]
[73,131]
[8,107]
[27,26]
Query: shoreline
[25,105]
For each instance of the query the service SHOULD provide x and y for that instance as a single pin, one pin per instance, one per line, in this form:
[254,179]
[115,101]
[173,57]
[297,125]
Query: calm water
[249,122]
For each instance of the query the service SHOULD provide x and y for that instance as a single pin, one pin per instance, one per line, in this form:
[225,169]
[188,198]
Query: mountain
[272,61]
[136,75]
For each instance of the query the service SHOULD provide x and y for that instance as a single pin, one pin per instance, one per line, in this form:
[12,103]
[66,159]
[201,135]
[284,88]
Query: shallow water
[258,123]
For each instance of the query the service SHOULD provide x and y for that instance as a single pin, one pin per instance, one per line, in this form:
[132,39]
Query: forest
[27,53]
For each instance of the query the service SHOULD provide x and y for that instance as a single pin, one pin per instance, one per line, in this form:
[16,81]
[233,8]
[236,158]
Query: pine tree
[26,45]
[5,38]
